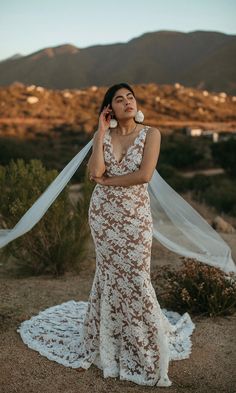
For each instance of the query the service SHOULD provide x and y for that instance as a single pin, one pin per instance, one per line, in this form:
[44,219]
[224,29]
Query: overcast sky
[30,25]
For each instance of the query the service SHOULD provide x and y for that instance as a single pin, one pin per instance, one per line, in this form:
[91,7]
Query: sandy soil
[210,368]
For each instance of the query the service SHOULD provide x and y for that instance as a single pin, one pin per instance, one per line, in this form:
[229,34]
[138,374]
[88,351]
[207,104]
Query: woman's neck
[126,128]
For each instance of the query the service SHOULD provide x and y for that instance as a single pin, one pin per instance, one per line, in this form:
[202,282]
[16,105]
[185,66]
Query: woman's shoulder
[153,130]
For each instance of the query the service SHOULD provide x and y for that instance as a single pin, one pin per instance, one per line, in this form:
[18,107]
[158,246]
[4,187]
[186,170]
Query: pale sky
[27,26]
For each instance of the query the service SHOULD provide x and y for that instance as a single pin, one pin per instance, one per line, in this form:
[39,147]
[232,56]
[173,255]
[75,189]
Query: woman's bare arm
[151,153]
[96,164]
[148,165]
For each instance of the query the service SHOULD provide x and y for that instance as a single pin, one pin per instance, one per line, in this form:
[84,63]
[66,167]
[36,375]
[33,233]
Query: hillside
[32,111]
[199,59]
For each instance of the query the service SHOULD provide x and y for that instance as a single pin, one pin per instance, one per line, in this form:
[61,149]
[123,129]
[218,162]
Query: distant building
[194,131]
[225,136]
[205,133]
[215,136]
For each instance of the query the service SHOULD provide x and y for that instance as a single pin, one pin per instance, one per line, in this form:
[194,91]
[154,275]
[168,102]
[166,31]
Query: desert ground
[210,367]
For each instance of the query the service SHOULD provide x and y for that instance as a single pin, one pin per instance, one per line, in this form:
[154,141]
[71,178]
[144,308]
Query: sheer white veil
[176,224]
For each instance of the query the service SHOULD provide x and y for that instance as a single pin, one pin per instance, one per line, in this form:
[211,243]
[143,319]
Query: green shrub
[200,183]
[224,155]
[13,148]
[218,191]
[181,152]
[167,171]
[199,289]
[223,198]
[173,178]
[57,243]
[53,152]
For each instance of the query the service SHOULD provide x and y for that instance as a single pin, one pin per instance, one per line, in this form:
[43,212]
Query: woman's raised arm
[96,162]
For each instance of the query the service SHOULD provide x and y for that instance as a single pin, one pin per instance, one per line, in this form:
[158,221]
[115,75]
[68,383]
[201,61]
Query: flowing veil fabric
[176,224]
[180,228]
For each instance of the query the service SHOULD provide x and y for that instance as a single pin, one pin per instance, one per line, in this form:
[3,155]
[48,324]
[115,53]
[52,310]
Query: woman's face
[122,100]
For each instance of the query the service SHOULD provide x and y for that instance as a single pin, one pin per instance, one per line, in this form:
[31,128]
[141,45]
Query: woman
[122,329]
[124,332]
[123,299]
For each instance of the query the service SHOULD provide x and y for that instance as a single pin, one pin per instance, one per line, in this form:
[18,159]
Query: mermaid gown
[121,329]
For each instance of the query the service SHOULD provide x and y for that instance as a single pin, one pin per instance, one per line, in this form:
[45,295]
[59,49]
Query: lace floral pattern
[121,329]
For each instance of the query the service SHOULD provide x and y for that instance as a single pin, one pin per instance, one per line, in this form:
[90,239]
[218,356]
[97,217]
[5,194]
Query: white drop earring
[139,117]
[113,123]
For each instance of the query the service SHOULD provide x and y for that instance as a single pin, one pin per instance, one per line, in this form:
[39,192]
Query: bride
[121,328]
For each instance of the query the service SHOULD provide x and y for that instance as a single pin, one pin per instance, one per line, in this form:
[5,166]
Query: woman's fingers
[106,109]
[106,113]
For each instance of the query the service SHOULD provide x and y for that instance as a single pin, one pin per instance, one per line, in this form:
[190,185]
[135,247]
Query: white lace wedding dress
[121,328]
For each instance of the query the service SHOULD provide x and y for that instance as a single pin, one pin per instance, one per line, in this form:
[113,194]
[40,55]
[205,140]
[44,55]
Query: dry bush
[198,289]
[57,243]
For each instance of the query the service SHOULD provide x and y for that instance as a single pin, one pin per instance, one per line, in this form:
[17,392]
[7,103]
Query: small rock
[223,95]
[32,100]
[221,225]
[30,88]
[40,88]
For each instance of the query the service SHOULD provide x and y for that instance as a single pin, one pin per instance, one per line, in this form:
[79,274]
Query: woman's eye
[128,97]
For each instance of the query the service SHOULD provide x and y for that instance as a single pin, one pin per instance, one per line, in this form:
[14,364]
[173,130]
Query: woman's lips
[129,109]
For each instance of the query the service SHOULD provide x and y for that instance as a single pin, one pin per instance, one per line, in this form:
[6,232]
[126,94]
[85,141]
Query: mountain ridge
[198,59]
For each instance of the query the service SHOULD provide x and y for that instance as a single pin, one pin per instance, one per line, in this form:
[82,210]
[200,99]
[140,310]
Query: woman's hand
[104,119]
[99,180]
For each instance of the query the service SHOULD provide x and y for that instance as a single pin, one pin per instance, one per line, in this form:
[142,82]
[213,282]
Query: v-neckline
[129,148]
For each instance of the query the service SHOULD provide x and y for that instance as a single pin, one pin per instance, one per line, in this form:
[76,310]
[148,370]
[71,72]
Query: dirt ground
[210,367]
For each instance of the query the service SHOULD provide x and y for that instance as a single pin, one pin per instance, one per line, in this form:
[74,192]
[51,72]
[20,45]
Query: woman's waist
[135,188]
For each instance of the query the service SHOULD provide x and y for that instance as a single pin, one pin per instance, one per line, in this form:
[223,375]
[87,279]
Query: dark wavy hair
[111,92]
